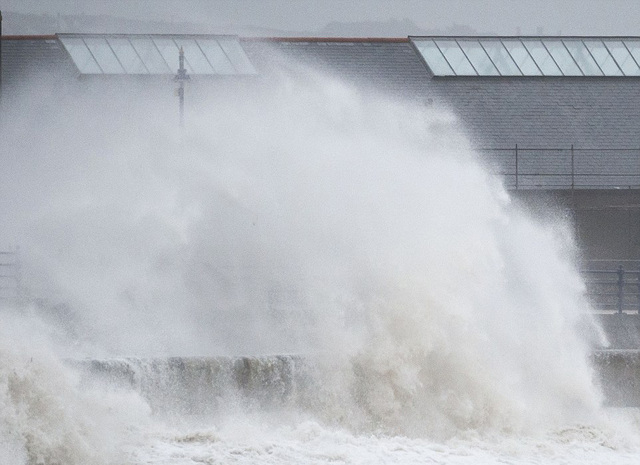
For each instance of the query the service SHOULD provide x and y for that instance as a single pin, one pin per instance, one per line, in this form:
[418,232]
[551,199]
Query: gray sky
[586,17]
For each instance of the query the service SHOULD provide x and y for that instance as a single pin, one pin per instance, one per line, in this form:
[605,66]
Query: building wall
[606,222]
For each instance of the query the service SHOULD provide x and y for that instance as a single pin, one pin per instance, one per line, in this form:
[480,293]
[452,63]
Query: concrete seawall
[203,385]
[618,373]
[208,385]
[622,330]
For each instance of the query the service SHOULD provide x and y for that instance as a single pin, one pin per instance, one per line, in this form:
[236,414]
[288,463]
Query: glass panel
[127,56]
[542,58]
[236,55]
[150,56]
[216,56]
[582,56]
[623,58]
[522,57]
[171,54]
[501,58]
[634,48]
[80,55]
[563,58]
[434,59]
[104,55]
[478,58]
[455,57]
[194,57]
[603,58]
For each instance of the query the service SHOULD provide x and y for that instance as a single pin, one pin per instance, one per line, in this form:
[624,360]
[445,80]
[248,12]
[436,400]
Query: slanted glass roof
[156,54]
[530,56]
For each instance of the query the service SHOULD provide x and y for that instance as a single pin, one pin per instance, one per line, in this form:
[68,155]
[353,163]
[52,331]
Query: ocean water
[439,322]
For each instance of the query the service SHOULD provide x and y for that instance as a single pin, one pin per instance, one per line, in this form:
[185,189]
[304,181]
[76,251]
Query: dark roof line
[29,37]
[328,39]
[247,39]
[321,39]
[453,37]
[100,35]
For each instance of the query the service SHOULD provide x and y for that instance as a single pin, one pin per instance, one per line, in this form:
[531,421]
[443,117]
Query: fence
[9,276]
[566,167]
[614,290]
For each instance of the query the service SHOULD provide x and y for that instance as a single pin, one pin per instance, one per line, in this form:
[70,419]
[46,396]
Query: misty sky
[585,17]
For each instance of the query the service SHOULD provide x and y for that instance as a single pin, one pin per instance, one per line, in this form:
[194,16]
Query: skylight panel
[623,58]
[103,54]
[583,58]
[434,58]
[216,56]
[81,55]
[150,56]
[478,58]
[530,56]
[542,58]
[236,55]
[194,56]
[602,56]
[500,57]
[171,54]
[634,48]
[456,58]
[562,58]
[156,54]
[522,58]
[127,55]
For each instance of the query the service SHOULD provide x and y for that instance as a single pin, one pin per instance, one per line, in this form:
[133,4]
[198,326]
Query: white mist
[308,218]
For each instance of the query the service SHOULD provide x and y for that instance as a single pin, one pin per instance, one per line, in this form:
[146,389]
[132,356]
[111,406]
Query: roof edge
[29,37]
[328,39]
[534,37]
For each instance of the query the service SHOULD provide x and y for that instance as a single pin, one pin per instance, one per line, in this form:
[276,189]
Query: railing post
[638,275]
[620,288]
[572,169]
[516,166]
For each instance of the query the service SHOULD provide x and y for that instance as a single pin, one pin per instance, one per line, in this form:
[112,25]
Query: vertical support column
[18,274]
[638,302]
[516,166]
[572,169]
[620,288]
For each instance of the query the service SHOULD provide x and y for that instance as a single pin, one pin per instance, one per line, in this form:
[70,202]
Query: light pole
[181,78]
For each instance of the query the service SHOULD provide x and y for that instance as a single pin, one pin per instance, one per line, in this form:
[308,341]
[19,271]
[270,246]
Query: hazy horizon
[565,17]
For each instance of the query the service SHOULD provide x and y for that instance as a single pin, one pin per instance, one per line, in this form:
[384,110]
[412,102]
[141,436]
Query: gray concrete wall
[606,222]
[209,385]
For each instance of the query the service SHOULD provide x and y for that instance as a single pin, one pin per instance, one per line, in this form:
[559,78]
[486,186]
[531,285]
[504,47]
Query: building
[557,117]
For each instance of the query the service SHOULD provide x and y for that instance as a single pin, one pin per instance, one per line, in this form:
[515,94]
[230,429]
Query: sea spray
[47,417]
[309,218]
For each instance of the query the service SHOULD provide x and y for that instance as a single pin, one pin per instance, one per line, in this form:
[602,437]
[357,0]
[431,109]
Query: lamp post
[181,78]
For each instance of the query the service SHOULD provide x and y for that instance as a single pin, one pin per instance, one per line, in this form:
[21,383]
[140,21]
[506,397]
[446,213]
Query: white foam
[309,218]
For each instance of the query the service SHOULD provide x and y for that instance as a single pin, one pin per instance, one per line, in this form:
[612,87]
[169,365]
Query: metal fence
[614,290]
[566,167]
[9,276]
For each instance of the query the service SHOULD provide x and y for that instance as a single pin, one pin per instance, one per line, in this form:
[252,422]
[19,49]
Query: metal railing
[9,276]
[566,167]
[614,290]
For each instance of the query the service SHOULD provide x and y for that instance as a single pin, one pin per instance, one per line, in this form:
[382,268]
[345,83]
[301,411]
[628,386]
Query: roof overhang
[576,56]
[156,54]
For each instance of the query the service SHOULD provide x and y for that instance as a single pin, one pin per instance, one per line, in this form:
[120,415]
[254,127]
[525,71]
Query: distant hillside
[29,24]
[391,28]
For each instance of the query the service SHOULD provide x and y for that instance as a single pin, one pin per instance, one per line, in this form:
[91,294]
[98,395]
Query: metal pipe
[620,288]
[516,166]
[638,290]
